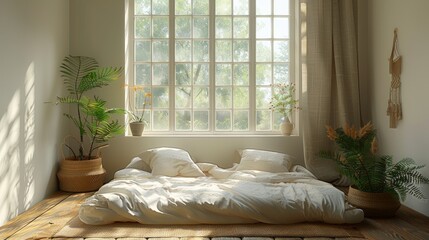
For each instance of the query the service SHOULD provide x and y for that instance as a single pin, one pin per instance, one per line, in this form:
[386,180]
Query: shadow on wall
[17,129]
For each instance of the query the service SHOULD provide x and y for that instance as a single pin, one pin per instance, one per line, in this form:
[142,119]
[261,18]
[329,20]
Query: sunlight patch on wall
[9,151]
[17,150]
[29,131]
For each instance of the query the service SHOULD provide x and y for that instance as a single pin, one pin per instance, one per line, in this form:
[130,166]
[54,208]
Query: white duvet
[224,196]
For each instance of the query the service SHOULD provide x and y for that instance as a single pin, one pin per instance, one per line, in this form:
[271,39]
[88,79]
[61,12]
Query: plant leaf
[98,78]
[74,68]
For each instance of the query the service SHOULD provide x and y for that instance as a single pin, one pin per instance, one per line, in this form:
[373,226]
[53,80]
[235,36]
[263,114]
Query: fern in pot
[83,171]
[378,184]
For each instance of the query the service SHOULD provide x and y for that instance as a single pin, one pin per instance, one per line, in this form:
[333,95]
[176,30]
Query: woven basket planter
[374,204]
[81,175]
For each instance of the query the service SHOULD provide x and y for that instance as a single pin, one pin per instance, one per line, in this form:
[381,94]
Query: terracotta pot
[374,204]
[137,128]
[81,175]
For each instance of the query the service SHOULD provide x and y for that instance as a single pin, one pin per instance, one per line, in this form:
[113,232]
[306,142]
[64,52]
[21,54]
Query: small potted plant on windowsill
[137,121]
[378,184]
[284,102]
[83,171]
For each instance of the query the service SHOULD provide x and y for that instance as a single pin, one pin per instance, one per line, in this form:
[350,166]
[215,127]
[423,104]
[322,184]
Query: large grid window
[210,64]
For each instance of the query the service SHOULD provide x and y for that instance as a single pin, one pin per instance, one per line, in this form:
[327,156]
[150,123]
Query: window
[209,64]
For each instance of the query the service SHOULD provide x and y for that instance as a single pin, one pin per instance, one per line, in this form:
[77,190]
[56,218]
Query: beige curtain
[330,81]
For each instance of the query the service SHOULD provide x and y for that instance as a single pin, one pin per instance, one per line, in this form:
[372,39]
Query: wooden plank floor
[39,221]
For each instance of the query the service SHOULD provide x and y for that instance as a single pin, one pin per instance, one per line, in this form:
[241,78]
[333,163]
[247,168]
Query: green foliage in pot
[92,119]
[357,159]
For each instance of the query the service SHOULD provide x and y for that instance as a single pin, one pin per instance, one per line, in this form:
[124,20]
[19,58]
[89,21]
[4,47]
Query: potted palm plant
[83,171]
[284,102]
[378,184]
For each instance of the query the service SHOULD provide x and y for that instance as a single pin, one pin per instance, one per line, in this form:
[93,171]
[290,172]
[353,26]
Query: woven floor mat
[75,228]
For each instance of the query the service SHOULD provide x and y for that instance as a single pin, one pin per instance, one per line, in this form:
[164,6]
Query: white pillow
[138,163]
[267,161]
[171,162]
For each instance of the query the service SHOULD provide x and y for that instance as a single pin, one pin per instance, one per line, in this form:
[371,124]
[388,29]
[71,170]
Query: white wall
[411,138]
[97,29]
[33,41]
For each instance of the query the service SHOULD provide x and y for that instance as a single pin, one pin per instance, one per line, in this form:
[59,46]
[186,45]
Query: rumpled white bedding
[225,196]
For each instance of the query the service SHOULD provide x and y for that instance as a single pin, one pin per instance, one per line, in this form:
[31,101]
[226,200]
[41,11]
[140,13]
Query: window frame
[293,64]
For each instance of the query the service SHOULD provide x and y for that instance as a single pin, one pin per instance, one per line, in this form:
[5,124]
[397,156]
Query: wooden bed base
[50,215]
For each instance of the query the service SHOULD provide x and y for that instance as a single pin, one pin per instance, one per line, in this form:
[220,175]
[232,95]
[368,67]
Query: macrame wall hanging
[394,108]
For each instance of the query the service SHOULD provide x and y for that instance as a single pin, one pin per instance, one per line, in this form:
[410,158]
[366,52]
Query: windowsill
[214,136]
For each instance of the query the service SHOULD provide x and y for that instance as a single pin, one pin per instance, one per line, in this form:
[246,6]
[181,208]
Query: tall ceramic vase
[286,126]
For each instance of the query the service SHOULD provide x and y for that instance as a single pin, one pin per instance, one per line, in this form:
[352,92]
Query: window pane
[201,7]
[263,7]
[142,74]
[277,119]
[281,51]
[160,7]
[241,74]
[147,117]
[201,51]
[140,97]
[160,51]
[223,51]
[142,27]
[201,27]
[263,51]
[183,97]
[201,74]
[263,120]
[281,27]
[183,120]
[281,73]
[223,74]
[183,74]
[223,120]
[183,27]
[241,97]
[201,97]
[241,7]
[223,97]
[201,120]
[241,51]
[263,27]
[241,120]
[223,27]
[263,74]
[160,120]
[263,96]
[142,7]
[223,7]
[183,51]
[160,97]
[142,51]
[183,7]
[160,27]
[241,27]
[281,7]
[160,74]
